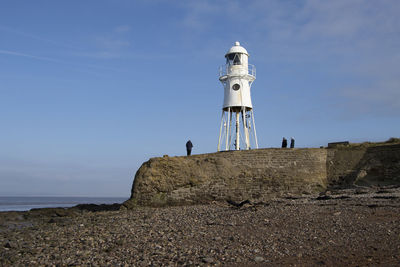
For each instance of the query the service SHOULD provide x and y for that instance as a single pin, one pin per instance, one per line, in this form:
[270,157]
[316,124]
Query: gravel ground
[343,227]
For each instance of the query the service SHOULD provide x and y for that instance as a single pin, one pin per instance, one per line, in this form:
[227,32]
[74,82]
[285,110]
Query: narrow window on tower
[233,59]
[229,59]
[236,60]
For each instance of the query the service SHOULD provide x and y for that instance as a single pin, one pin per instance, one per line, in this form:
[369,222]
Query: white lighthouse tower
[237,76]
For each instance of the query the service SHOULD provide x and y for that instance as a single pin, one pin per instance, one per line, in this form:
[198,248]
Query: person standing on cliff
[189,146]
[284,143]
[291,142]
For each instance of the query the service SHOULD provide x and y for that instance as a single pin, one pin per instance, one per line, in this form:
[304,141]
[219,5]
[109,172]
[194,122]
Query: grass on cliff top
[390,141]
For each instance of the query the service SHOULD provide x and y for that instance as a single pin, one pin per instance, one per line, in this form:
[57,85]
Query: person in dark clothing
[189,146]
[291,142]
[284,143]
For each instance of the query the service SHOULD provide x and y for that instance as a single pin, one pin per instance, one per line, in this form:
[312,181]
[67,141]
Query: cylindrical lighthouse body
[237,75]
[237,79]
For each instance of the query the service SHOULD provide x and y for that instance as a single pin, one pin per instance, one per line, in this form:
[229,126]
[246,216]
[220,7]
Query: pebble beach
[352,227]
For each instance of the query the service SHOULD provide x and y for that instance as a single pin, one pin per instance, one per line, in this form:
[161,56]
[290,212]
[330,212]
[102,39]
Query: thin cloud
[355,40]
[18,54]
[110,46]
[200,14]
[122,29]
[111,43]
[37,37]
[379,99]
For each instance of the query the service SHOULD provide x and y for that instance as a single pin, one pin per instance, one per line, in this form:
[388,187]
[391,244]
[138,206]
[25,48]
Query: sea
[27,203]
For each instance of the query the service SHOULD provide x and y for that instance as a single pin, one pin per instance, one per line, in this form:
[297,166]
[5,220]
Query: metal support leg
[237,144]
[254,126]
[220,130]
[227,130]
[245,129]
[230,131]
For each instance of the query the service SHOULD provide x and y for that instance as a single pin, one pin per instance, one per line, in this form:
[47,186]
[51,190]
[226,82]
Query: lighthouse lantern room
[237,76]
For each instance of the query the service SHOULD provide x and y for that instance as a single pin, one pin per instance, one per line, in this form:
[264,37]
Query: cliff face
[236,175]
[370,165]
[261,174]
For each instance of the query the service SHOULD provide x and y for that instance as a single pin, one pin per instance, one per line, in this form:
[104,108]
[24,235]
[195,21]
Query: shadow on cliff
[373,166]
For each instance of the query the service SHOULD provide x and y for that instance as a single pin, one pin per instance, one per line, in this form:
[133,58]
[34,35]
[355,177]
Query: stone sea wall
[261,174]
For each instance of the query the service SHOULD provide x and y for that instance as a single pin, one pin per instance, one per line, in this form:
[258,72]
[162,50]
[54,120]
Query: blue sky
[89,90]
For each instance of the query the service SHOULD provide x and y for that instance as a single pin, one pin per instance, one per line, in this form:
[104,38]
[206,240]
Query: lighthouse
[237,76]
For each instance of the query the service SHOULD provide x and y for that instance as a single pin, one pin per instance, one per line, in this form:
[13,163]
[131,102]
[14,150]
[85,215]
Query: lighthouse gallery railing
[223,70]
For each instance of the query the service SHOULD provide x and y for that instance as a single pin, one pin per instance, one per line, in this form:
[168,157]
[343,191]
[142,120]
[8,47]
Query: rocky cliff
[364,165]
[262,174]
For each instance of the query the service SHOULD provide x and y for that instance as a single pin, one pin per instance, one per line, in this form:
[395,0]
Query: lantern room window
[233,59]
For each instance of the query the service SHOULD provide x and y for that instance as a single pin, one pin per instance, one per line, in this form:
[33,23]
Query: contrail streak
[18,54]
[13,53]
[32,36]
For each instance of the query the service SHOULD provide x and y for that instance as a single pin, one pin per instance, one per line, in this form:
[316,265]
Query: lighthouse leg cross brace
[237,125]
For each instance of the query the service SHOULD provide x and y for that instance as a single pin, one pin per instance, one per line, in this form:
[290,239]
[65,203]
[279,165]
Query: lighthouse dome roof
[237,48]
